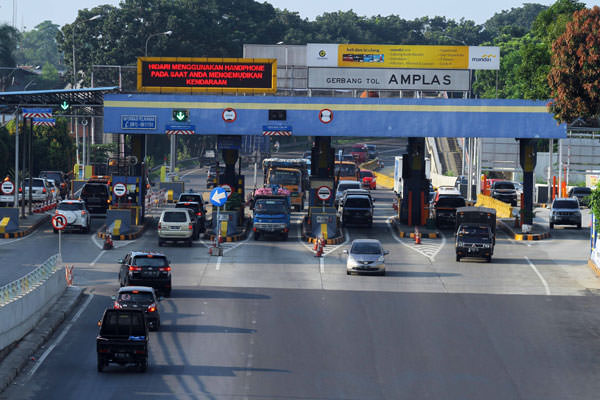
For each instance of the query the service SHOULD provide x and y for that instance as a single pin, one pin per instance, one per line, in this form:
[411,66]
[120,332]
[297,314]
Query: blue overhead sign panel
[362,117]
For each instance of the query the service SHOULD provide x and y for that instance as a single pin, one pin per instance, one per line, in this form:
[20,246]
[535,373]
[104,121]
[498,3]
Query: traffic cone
[417,236]
[316,246]
[108,243]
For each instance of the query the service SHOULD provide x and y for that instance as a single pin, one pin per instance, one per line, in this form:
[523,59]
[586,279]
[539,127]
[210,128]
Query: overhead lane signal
[181,115]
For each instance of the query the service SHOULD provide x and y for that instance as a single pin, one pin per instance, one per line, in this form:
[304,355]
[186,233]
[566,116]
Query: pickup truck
[271,212]
[475,232]
[122,339]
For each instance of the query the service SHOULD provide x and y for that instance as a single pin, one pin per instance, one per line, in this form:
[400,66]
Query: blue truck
[271,210]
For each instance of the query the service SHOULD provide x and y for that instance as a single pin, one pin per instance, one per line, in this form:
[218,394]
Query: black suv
[445,209]
[146,269]
[197,221]
[356,208]
[582,194]
[96,196]
[504,191]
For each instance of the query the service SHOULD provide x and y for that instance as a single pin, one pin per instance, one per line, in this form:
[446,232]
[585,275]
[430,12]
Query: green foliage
[575,76]
[515,22]
[99,153]
[594,203]
[38,47]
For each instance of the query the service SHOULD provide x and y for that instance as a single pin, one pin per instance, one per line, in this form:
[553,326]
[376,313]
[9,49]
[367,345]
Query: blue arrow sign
[218,196]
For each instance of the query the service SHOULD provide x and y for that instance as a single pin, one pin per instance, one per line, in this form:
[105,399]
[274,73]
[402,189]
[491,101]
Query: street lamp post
[167,33]
[75,84]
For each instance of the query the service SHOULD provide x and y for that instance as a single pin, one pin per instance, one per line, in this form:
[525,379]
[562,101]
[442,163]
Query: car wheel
[143,365]
[348,272]
[382,273]
[284,237]
[189,242]
[457,257]
[157,325]
[488,259]
[168,293]
[160,242]
[579,225]
[551,225]
[256,235]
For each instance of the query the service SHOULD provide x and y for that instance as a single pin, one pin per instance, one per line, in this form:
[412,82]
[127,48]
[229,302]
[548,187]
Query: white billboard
[388,79]
[322,55]
[482,57]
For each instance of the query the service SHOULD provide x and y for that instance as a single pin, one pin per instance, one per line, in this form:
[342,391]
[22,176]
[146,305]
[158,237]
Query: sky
[29,13]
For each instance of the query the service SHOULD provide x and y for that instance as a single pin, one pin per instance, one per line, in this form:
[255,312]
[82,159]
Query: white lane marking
[219,259]
[322,264]
[46,353]
[97,258]
[546,287]
[429,251]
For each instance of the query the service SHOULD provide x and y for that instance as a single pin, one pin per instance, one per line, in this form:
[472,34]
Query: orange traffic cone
[417,236]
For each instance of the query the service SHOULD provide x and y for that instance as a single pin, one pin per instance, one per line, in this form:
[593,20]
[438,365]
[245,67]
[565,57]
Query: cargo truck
[271,212]
[475,232]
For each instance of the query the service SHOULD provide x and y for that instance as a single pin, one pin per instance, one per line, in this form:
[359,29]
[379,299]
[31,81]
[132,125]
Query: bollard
[108,243]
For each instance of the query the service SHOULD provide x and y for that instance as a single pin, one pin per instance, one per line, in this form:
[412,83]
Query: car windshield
[582,190]
[366,248]
[504,185]
[136,296]
[365,174]
[93,190]
[346,186]
[146,261]
[345,169]
[70,206]
[270,206]
[175,217]
[279,177]
[474,231]
[453,202]
[565,204]
[191,197]
[357,202]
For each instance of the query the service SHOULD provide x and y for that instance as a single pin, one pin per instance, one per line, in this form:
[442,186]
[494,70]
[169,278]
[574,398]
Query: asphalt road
[268,320]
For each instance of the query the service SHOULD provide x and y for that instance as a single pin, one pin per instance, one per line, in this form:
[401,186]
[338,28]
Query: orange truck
[346,171]
[290,179]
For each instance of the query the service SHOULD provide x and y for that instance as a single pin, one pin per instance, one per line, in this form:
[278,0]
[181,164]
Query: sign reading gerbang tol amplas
[189,75]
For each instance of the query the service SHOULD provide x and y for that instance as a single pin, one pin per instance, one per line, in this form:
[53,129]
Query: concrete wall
[20,316]
[126,220]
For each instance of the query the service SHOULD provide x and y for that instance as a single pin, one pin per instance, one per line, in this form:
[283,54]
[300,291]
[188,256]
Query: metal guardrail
[20,287]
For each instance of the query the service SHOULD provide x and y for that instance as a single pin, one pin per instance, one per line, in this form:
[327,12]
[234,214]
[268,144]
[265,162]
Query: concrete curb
[27,231]
[523,236]
[19,356]
[311,239]
[406,233]
[102,234]
[594,267]
[234,238]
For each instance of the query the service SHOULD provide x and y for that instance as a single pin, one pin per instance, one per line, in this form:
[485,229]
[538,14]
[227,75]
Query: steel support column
[527,159]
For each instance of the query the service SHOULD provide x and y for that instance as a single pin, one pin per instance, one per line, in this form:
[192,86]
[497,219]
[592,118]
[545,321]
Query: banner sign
[403,56]
[189,75]
[388,79]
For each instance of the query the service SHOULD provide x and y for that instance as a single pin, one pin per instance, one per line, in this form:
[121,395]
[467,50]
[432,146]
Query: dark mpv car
[146,269]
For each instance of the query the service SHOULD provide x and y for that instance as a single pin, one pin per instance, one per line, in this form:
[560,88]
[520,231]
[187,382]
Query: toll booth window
[284,178]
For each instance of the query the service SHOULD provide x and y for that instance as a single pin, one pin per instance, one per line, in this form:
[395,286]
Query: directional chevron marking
[428,247]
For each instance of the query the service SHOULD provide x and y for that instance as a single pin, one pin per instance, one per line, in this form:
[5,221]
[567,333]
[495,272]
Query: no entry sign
[324,193]
[8,187]
[119,189]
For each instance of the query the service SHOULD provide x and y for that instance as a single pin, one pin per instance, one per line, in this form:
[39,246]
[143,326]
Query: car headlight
[486,245]
[460,244]
[352,262]
[380,259]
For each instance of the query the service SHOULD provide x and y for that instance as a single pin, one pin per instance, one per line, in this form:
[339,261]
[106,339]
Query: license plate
[121,355]
[174,227]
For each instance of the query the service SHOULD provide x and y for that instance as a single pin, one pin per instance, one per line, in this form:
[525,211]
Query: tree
[38,46]
[8,45]
[575,74]
[516,22]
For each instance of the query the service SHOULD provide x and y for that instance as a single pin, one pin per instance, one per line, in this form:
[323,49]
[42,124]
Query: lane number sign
[324,193]
[8,187]
[59,222]
[119,189]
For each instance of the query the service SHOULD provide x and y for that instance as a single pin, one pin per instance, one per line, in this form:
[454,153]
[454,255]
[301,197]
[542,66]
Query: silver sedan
[366,256]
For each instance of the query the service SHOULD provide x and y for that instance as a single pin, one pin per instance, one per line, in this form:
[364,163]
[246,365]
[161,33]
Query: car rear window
[172,216]
[154,261]
[565,204]
[193,206]
[582,190]
[366,248]
[123,323]
[357,202]
[34,183]
[136,296]
[453,202]
[94,189]
[71,206]
[347,186]
[504,185]
[191,197]
[52,175]
[364,174]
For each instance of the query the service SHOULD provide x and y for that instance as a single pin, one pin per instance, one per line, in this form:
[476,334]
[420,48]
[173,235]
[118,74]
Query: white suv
[76,214]
[176,225]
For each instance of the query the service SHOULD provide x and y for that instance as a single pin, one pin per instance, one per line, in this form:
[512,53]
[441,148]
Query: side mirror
[120,261]
[160,298]
[373,200]
[345,251]
[99,322]
[386,252]
[113,297]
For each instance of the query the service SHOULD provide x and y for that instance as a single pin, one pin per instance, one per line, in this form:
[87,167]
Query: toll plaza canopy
[86,99]
[328,116]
